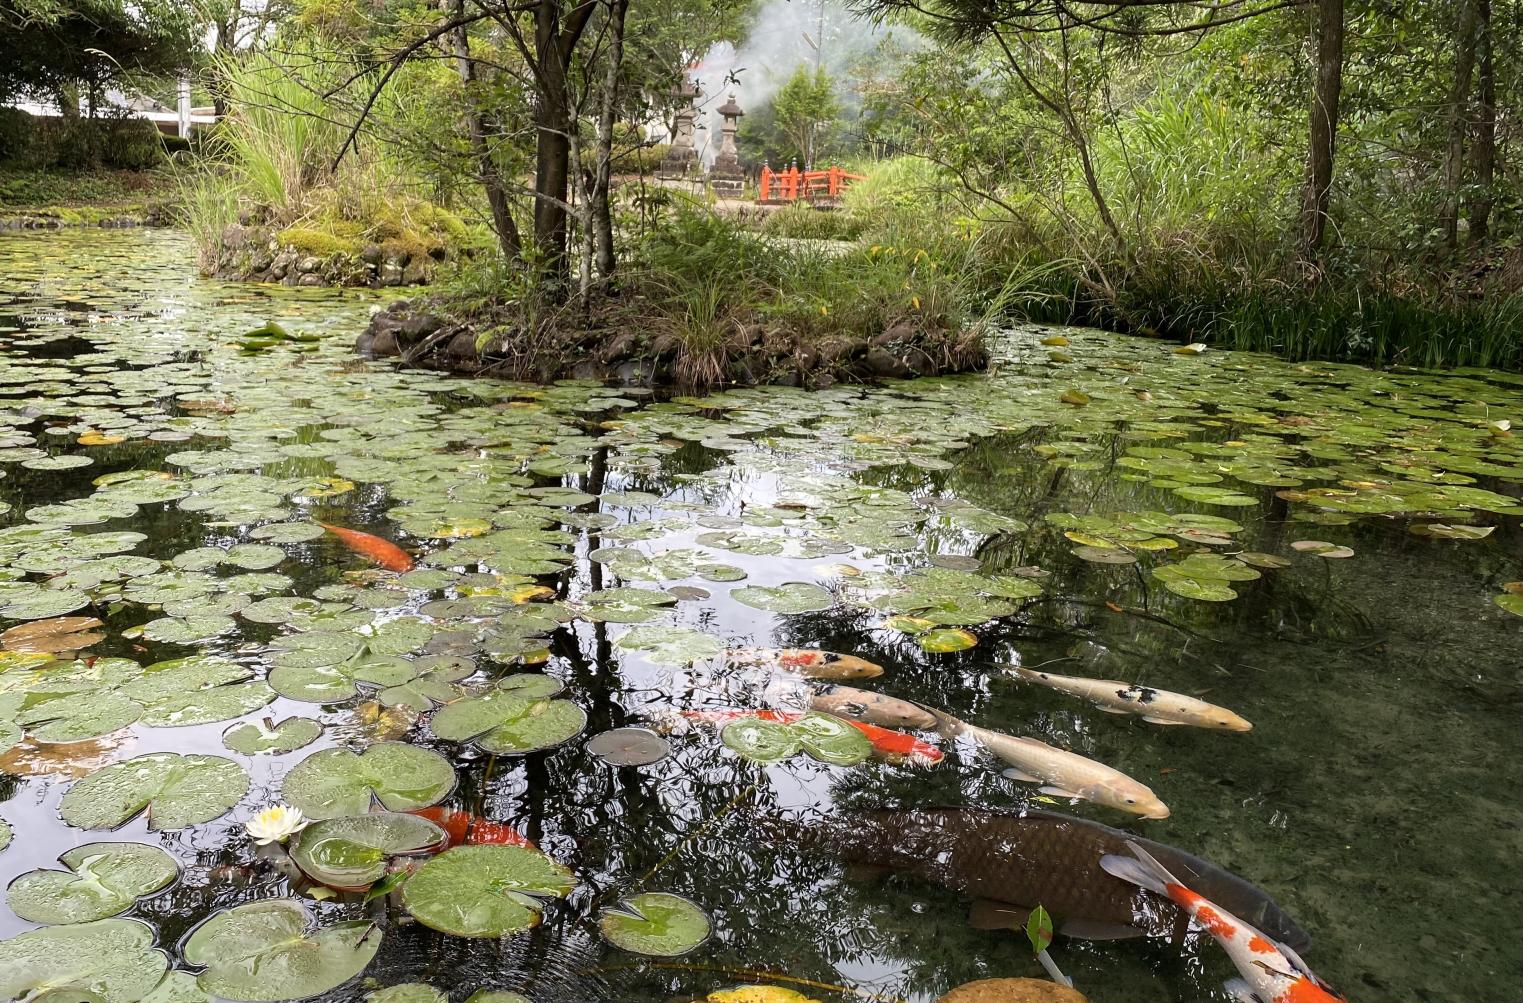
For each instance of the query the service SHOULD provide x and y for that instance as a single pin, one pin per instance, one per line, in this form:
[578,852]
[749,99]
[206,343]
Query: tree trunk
[1327,89]
[1459,120]
[602,215]
[477,124]
[552,161]
[1483,153]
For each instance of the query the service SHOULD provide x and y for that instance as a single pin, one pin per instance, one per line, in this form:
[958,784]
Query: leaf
[832,740]
[946,639]
[1039,929]
[254,737]
[669,645]
[335,782]
[791,597]
[484,891]
[64,633]
[655,924]
[407,992]
[519,716]
[1512,602]
[761,741]
[629,747]
[107,961]
[353,851]
[176,790]
[200,689]
[266,952]
[102,880]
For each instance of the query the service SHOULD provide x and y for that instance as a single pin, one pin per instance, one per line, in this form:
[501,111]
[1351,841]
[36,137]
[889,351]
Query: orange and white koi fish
[897,746]
[809,662]
[1154,706]
[466,829]
[1271,972]
[383,552]
[871,708]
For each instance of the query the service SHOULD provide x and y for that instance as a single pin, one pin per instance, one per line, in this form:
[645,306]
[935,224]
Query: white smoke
[783,36]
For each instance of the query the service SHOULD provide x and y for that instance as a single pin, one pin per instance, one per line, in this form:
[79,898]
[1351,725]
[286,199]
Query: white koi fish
[1154,706]
[1270,972]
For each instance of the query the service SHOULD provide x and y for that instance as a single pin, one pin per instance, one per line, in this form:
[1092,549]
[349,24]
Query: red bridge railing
[793,185]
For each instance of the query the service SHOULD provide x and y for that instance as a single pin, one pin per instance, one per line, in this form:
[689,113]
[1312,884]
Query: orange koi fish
[1271,972]
[810,662]
[383,552]
[466,829]
[897,746]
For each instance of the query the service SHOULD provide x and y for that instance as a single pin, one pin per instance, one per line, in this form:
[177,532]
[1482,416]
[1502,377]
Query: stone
[837,348]
[462,346]
[901,333]
[785,379]
[309,264]
[415,272]
[311,279]
[819,381]
[371,254]
[363,342]
[883,364]
[385,343]
[391,272]
[588,369]
[1013,991]
[419,326]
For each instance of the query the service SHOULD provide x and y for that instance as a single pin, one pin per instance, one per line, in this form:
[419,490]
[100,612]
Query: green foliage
[804,222]
[57,50]
[29,143]
[799,123]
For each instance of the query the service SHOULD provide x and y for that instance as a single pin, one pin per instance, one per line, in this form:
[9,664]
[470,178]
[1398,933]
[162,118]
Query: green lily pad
[626,605]
[176,790]
[352,851]
[495,996]
[254,737]
[656,924]
[335,782]
[484,891]
[669,645]
[265,952]
[832,740]
[519,716]
[5,834]
[761,741]
[107,961]
[102,880]
[1509,601]
[945,639]
[791,597]
[199,689]
[407,992]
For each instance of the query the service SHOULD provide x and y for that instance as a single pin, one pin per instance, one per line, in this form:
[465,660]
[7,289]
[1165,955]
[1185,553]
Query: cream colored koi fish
[1062,773]
[1154,706]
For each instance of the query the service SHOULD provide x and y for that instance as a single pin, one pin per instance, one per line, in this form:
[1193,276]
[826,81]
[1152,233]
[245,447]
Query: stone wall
[257,254]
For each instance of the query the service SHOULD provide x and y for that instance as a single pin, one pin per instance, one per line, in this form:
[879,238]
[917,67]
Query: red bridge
[794,185]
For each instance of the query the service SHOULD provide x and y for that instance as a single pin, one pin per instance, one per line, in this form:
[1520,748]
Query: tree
[804,110]
[56,50]
[1327,89]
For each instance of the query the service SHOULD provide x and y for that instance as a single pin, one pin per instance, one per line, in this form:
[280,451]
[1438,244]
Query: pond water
[1083,504]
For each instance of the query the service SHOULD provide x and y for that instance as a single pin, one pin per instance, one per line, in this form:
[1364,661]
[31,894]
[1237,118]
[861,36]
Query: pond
[1330,552]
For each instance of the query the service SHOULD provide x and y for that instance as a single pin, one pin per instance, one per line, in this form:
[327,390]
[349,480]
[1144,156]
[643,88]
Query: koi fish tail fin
[1142,870]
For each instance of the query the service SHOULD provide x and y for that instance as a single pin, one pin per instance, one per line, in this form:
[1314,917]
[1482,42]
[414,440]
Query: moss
[318,243]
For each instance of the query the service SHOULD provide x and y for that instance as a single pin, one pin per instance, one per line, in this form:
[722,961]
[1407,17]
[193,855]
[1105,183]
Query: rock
[920,361]
[901,333]
[462,346]
[311,279]
[637,371]
[838,348]
[415,272]
[785,379]
[819,381]
[419,326]
[391,272]
[261,260]
[363,342]
[588,369]
[619,348]
[385,343]
[309,264]
[371,254]
[883,364]
[1013,991]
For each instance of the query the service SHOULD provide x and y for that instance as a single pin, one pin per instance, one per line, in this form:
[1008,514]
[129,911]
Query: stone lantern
[726,176]
[680,156]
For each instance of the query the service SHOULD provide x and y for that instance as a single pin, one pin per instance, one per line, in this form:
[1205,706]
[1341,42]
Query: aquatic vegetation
[334,782]
[657,924]
[275,824]
[175,791]
[484,891]
[352,851]
[268,951]
[102,880]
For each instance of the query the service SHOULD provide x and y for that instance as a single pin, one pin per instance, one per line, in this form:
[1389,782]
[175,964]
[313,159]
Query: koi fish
[383,552]
[896,746]
[466,829]
[1060,772]
[809,662]
[1271,972]
[1007,863]
[871,708]
[1154,706]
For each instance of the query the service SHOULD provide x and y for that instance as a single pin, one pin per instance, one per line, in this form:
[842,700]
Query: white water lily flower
[276,824]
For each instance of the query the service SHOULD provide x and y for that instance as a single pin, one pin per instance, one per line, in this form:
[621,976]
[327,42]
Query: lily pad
[629,747]
[669,645]
[655,924]
[102,880]
[64,633]
[519,716]
[945,639]
[176,790]
[352,851]
[484,891]
[266,952]
[336,782]
[107,961]
[791,597]
[761,741]
[407,992]
[832,740]
[254,737]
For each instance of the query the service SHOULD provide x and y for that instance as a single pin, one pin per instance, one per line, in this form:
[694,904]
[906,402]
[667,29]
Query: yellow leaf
[915,301]
[1056,340]
[100,439]
[759,994]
